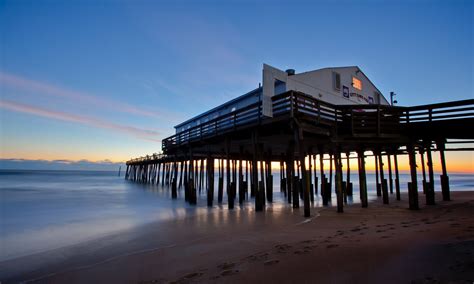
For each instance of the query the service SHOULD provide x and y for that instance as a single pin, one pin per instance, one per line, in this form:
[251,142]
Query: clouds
[146,134]
[42,88]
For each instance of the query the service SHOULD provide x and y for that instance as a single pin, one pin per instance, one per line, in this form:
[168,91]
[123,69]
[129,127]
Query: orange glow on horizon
[456,162]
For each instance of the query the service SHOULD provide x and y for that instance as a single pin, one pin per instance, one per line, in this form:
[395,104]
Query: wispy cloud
[89,121]
[42,88]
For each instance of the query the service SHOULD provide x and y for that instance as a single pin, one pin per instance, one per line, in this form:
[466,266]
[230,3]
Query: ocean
[44,210]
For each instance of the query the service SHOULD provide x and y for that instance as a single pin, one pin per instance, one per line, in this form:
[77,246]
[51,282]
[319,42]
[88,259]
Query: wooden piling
[210,181]
[413,188]
[390,177]
[315,170]
[397,177]
[430,193]
[422,158]
[349,188]
[338,181]
[362,179]
[377,183]
[444,177]
[384,181]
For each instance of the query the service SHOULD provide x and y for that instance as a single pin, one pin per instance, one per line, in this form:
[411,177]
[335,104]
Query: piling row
[249,176]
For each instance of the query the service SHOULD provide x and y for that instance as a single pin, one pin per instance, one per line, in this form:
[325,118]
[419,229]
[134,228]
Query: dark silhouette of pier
[243,144]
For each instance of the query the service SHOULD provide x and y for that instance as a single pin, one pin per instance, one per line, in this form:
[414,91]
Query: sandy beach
[388,244]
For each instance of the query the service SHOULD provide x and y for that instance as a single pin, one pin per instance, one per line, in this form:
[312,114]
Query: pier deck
[301,128]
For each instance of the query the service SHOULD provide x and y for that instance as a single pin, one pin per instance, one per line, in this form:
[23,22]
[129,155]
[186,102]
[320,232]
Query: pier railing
[354,120]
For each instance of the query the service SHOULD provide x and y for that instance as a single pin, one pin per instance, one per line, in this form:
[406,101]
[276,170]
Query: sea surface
[44,210]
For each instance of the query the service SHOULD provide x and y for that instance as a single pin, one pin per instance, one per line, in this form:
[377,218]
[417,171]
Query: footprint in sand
[301,251]
[229,272]
[188,277]
[226,266]
[255,257]
[283,248]
[271,262]
[332,246]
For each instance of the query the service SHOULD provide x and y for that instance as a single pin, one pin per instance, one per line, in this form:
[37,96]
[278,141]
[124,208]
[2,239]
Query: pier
[242,145]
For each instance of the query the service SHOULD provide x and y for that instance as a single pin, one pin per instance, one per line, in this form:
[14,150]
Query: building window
[356,83]
[336,81]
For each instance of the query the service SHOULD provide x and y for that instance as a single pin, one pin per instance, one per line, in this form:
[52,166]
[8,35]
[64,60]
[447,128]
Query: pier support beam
[390,179]
[349,188]
[430,193]
[324,189]
[315,176]
[338,181]
[220,185]
[413,185]
[174,182]
[378,187]
[444,177]
[423,170]
[210,181]
[384,181]
[362,180]
[304,174]
[397,177]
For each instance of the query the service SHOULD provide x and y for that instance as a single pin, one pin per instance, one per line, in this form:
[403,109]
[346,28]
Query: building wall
[320,84]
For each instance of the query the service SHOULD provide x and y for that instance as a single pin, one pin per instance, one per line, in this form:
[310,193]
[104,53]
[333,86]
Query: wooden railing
[355,120]
[250,114]
[153,157]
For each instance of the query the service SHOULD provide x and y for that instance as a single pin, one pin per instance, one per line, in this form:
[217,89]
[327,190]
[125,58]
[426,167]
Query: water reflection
[44,210]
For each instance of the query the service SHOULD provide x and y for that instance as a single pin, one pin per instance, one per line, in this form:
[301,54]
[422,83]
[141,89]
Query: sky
[105,81]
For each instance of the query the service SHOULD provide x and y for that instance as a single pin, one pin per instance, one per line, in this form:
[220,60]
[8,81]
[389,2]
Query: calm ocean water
[43,210]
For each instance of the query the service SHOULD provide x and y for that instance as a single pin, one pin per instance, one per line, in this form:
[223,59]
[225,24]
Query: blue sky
[107,80]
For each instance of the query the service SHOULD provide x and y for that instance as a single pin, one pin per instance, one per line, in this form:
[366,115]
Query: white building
[335,85]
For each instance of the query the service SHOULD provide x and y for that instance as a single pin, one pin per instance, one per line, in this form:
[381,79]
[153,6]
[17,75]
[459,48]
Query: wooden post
[397,177]
[330,173]
[181,174]
[241,183]
[289,179]
[304,174]
[163,176]
[315,176]
[186,181]
[246,185]
[158,174]
[324,190]
[338,181]
[230,199]
[444,177]
[390,179]
[349,188]
[210,180]
[384,181]
[192,185]
[430,193]
[362,180]
[377,184]
[413,188]
[220,185]
[422,156]
[295,187]
[262,179]
[258,201]
[174,182]
[310,178]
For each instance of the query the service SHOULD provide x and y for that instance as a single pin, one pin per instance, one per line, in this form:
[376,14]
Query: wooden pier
[242,145]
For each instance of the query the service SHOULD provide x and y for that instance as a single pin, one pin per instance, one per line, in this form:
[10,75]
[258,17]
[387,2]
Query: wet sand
[379,244]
